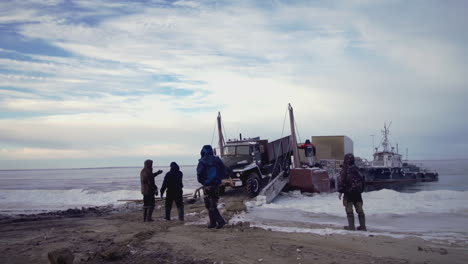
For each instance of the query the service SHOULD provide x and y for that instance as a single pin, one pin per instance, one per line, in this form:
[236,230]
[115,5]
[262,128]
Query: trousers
[349,207]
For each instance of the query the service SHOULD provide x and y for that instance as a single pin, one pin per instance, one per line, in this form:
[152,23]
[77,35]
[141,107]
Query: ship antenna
[385,133]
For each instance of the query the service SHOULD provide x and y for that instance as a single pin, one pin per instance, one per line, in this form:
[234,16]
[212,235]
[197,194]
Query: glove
[339,196]
[156,193]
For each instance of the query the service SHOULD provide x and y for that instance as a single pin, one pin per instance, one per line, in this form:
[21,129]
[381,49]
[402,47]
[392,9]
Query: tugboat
[421,174]
[388,170]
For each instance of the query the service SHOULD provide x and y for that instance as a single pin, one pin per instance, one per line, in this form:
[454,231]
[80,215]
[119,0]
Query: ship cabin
[387,160]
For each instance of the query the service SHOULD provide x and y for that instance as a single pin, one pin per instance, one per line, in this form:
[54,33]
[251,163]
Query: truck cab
[247,162]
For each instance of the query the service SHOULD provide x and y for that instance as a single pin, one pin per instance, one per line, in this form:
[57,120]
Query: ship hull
[396,178]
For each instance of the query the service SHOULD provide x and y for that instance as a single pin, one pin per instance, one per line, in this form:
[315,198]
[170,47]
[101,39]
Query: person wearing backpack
[351,184]
[210,172]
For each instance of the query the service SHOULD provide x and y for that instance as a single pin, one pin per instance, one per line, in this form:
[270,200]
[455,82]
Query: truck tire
[253,184]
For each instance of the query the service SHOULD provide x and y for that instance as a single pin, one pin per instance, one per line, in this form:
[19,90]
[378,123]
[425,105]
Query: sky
[111,83]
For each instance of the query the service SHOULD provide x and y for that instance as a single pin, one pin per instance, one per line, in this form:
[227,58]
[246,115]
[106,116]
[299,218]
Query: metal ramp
[274,188]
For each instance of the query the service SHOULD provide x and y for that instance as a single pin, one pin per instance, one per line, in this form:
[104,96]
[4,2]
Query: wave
[382,202]
[17,201]
[34,201]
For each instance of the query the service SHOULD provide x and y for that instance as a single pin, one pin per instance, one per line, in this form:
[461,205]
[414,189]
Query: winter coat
[309,149]
[345,180]
[148,187]
[210,169]
[173,180]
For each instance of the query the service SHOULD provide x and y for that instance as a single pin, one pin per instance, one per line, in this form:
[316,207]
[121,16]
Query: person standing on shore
[148,189]
[351,184]
[309,150]
[173,184]
[210,172]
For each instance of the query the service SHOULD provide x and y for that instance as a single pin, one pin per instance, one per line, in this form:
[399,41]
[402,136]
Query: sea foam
[378,202]
[33,201]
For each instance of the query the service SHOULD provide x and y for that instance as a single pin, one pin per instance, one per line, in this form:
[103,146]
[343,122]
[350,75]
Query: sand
[106,235]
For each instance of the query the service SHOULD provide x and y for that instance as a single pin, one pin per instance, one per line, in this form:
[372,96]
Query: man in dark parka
[346,186]
[210,172]
[148,189]
[173,184]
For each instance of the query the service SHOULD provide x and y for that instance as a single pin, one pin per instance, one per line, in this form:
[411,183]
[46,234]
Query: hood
[348,160]
[148,164]
[207,150]
[174,167]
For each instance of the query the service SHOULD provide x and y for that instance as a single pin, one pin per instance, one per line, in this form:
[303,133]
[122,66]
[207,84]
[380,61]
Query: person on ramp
[148,189]
[173,184]
[310,151]
[210,172]
[351,184]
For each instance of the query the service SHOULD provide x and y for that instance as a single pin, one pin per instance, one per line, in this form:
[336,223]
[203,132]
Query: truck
[251,162]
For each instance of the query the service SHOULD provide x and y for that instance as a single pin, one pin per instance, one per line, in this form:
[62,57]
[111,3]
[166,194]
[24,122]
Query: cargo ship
[388,170]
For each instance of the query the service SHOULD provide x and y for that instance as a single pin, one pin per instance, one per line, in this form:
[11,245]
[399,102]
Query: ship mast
[385,133]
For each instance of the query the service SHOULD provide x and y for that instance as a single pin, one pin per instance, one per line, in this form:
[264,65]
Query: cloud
[344,66]
[156,151]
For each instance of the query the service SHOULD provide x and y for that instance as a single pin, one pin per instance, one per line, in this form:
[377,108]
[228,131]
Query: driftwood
[195,195]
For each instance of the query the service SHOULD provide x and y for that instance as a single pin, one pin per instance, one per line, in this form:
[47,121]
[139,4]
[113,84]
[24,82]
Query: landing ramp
[274,187]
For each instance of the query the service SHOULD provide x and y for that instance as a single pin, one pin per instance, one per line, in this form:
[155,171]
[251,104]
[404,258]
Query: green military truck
[250,162]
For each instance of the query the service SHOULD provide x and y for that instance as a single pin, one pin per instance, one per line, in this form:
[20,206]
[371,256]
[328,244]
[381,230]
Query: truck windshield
[243,150]
[230,151]
[236,150]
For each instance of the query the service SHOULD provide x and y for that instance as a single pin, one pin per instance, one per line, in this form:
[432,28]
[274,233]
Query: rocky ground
[102,235]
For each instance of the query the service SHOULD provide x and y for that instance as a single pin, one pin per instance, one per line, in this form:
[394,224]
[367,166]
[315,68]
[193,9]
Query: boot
[145,213]
[350,224]
[219,219]
[212,220]
[362,223]
[181,213]
[149,217]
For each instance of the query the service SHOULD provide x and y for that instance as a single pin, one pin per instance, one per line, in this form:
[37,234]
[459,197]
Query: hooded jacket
[173,180]
[345,182]
[148,187]
[309,148]
[210,169]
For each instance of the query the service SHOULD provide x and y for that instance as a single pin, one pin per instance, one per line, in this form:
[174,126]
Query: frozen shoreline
[427,214]
[103,234]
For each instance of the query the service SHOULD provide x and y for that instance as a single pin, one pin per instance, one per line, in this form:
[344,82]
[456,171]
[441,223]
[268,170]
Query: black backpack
[355,180]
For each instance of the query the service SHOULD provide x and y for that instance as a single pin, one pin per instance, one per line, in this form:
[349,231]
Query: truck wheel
[253,184]
[222,189]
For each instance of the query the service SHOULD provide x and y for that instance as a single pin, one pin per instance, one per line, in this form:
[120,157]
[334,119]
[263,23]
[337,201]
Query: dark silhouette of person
[173,184]
[210,172]
[148,189]
[351,184]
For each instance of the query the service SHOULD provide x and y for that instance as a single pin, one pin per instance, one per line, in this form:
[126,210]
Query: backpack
[355,180]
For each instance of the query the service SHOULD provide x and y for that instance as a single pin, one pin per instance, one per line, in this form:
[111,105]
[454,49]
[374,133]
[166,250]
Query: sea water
[435,210]
[430,210]
[36,191]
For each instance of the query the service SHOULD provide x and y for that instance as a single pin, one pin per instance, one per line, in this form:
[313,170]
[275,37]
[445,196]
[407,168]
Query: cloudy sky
[111,83]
